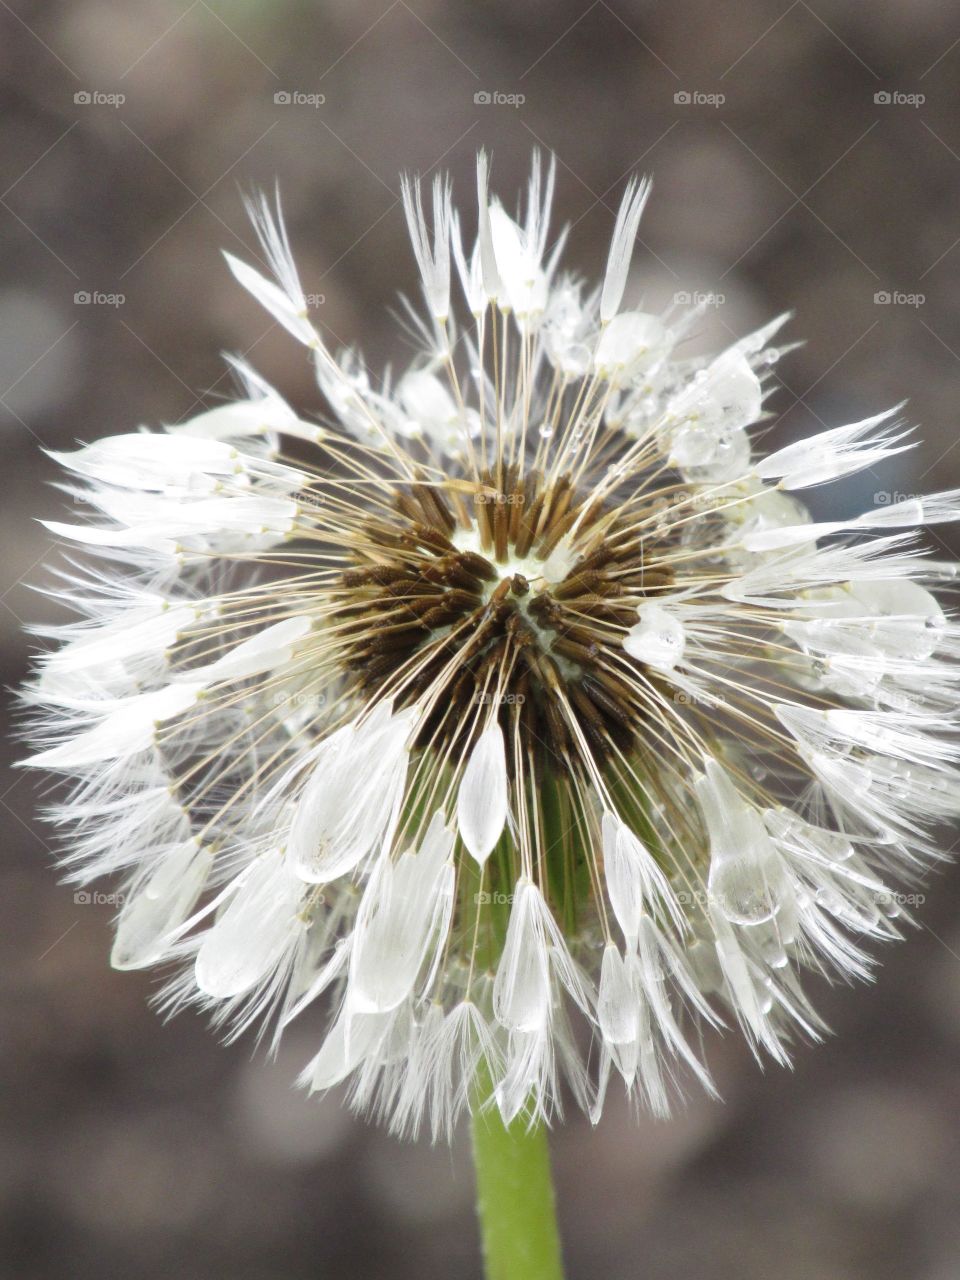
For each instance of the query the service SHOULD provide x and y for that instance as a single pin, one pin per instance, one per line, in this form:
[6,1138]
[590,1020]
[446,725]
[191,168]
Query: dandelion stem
[515,1199]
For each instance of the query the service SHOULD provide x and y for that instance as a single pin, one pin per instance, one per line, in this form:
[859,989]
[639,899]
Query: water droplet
[747,891]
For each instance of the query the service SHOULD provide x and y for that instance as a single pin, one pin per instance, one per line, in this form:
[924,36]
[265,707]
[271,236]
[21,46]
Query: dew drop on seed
[746,892]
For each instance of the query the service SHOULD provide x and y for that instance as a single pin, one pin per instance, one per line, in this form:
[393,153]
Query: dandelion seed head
[512,720]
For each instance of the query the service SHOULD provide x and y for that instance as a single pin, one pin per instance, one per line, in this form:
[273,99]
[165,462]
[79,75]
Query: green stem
[515,1201]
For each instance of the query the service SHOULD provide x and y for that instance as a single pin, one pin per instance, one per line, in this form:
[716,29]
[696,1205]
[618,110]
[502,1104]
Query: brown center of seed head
[448,604]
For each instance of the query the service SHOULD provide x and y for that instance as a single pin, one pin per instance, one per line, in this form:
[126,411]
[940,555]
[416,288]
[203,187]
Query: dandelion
[514,715]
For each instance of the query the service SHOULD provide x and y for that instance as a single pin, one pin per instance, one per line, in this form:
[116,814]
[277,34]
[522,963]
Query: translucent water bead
[747,882]
[657,640]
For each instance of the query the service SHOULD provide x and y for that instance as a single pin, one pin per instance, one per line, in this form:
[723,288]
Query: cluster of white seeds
[512,719]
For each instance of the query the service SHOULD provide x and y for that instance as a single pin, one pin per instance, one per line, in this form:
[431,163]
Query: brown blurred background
[782,180]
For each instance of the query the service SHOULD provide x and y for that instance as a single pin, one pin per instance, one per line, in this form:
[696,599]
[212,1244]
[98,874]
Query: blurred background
[805,156]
